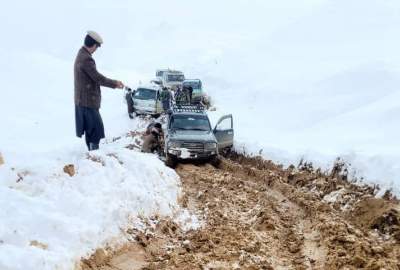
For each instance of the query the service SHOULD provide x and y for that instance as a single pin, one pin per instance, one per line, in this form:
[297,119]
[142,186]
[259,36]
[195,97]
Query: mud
[257,215]
[69,169]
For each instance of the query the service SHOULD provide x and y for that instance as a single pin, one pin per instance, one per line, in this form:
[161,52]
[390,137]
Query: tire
[171,161]
[215,161]
[226,151]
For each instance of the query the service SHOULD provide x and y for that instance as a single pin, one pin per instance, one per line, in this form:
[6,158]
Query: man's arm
[89,67]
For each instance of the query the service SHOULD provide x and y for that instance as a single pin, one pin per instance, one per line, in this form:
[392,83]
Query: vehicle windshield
[175,77]
[145,94]
[190,122]
[194,84]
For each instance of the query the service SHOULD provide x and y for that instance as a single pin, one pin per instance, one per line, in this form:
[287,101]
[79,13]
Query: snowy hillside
[311,78]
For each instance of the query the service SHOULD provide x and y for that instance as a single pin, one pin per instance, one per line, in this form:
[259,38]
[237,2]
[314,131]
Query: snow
[72,216]
[313,79]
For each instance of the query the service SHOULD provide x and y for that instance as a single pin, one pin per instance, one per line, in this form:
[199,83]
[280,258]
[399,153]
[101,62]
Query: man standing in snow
[87,94]
[165,97]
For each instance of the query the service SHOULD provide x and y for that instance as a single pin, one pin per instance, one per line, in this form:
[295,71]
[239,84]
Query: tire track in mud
[257,215]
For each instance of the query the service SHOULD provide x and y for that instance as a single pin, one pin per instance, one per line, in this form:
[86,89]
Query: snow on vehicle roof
[174,71]
[151,86]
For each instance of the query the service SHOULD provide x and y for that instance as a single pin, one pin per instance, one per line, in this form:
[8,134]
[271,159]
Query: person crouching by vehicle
[165,97]
[151,142]
[156,125]
[87,93]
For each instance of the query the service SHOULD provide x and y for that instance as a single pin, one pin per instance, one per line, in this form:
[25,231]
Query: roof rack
[198,108]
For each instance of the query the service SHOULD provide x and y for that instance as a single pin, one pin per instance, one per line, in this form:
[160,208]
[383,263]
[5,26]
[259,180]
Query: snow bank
[49,219]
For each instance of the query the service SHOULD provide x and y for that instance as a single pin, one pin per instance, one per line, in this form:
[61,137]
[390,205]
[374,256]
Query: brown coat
[88,80]
[150,143]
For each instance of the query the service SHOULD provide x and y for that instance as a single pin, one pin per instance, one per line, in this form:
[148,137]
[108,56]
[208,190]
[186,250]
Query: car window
[190,122]
[175,78]
[145,94]
[226,124]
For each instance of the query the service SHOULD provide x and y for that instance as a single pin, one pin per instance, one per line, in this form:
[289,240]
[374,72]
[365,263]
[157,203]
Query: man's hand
[120,85]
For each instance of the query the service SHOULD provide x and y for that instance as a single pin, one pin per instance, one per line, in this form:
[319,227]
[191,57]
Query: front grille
[193,146]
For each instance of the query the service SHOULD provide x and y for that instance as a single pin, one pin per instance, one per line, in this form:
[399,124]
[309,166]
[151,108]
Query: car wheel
[171,161]
[215,161]
[226,151]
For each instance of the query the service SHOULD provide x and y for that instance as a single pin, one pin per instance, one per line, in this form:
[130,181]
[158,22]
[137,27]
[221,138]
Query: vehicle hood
[192,135]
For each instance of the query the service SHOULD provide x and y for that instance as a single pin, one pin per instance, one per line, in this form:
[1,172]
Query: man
[87,93]
[129,101]
[151,142]
[165,98]
[152,125]
[181,96]
[189,93]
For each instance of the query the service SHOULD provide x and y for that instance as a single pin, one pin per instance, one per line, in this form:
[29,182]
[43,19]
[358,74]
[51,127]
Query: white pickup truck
[145,100]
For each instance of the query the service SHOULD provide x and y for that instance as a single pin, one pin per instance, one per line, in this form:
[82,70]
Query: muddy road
[257,215]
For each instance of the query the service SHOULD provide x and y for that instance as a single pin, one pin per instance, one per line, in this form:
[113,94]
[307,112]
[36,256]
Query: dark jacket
[88,80]
[165,95]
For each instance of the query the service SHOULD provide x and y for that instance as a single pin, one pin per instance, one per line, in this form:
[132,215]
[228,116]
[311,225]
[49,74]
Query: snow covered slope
[50,220]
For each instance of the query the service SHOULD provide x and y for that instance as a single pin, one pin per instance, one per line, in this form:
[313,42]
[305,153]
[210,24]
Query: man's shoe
[93,146]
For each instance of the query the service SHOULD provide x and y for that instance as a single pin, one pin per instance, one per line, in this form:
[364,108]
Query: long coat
[88,81]
[165,99]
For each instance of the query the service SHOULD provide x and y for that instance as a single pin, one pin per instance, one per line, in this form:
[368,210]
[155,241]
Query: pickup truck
[188,135]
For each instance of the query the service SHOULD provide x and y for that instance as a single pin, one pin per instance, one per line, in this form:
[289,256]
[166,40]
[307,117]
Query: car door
[223,131]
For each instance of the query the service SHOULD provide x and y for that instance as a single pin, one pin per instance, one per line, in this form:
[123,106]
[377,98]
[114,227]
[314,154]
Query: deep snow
[310,78]
[72,216]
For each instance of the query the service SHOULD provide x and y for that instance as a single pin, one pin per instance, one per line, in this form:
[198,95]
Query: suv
[145,100]
[172,79]
[189,136]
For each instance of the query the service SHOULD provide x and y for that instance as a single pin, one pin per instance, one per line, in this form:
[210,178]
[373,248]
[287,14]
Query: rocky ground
[257,215]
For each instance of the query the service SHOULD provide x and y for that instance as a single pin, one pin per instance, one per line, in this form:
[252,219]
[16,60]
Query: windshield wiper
[202,129]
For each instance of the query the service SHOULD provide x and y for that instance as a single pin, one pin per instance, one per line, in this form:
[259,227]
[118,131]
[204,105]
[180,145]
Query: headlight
[174,144]
[210,145]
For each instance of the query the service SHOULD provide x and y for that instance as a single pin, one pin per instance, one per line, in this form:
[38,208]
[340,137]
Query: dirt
[69,169]
[257,215]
